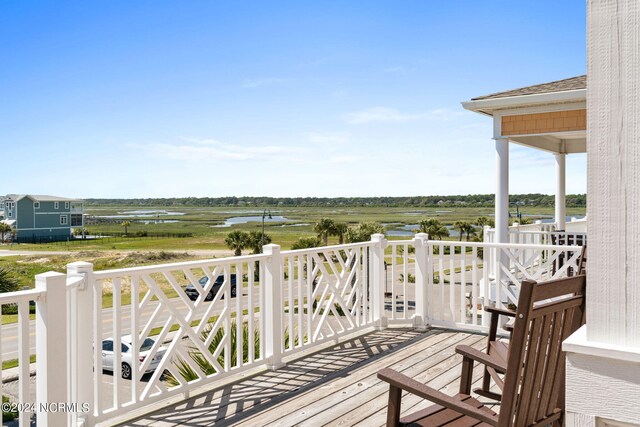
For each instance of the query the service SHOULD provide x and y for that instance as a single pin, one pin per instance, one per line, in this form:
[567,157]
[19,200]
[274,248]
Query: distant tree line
[470,200]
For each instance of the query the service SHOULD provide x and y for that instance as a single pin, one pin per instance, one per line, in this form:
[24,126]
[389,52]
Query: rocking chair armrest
[403,382]
[501,311]
[479,356]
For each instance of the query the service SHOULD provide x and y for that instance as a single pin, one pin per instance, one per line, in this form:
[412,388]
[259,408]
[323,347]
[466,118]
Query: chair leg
[466,375]
[393,410]
[486,380]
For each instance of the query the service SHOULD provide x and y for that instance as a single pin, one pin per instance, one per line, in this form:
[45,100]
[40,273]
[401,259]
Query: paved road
[195,252]
[8,252]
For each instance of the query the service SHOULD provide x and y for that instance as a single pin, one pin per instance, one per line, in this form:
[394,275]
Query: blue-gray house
[36,218]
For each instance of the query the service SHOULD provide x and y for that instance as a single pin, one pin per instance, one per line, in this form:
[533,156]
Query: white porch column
[502,190]
[603,358]
[561,180]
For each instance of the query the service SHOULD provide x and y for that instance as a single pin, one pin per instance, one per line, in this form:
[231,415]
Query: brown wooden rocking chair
[497,350]
[533,392]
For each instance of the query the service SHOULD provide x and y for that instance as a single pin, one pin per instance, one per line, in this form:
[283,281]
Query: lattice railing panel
[326,294]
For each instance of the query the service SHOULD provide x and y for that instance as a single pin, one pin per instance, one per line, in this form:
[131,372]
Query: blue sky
[278,98]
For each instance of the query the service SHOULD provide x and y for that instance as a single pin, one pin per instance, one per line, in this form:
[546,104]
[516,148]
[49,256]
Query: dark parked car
[193,293]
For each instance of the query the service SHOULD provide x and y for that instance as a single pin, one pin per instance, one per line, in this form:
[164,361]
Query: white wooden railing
[285,304]
[23,330]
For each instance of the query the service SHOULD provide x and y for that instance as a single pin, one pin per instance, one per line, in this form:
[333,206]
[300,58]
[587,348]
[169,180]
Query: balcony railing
[265,310]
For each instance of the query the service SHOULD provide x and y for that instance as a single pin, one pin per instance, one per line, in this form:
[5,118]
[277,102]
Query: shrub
[8,282]
[305,243]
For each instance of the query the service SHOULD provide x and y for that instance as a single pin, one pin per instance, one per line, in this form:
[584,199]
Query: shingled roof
[573,83]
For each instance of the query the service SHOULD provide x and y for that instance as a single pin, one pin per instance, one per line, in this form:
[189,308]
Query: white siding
[613,143]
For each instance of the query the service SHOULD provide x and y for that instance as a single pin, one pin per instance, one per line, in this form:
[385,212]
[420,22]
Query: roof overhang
[490,106]
[554,140]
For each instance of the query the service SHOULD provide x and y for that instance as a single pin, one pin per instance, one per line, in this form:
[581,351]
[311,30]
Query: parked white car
[127,354]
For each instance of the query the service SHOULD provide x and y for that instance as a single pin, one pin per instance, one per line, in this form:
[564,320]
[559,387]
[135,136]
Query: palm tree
[4,229]
[236,241]
[339,230]
[254,241]
[439,232]
[461,226]
[483,220]
[8,282]
[427,224]
[324,227]
[434,228]
[189,373]
[363,231]
[469,230]
[126,225]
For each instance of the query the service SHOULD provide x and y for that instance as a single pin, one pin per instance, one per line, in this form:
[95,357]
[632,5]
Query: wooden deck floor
[337,386]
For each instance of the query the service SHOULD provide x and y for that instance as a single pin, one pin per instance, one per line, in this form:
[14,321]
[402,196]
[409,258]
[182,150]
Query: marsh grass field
[207,236]
[205,224]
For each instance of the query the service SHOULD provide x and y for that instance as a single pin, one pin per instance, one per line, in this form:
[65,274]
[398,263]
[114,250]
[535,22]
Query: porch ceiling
[561,142]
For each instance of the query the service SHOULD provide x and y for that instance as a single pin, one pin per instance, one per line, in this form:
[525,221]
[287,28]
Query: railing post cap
[49,274]
[271,248]
[79,264]
[51,278]
[378,237]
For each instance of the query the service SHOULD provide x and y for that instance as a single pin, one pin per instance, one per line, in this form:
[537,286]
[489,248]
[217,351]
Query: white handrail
[18,296]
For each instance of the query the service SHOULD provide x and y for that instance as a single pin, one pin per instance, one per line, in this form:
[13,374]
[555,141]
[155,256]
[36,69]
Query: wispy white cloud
[384,114]
[254,83]
[329,137]
[210,149]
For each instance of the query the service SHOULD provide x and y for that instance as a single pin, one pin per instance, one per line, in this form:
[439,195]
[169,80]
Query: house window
[56,205]
[36,205]
[76,220]
[64,219]
[66,205]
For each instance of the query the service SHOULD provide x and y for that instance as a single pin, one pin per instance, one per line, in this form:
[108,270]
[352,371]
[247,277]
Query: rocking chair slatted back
[547,314]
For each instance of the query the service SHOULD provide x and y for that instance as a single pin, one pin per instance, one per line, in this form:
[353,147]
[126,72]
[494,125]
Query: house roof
[573,83]
[41,198]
